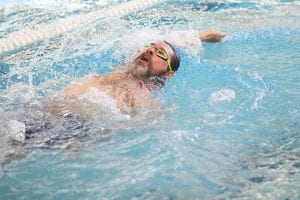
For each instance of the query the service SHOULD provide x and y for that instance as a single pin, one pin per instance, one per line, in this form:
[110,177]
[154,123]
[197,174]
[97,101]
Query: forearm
[211,36]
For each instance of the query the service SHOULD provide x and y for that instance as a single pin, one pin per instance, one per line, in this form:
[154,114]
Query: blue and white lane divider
[23,38]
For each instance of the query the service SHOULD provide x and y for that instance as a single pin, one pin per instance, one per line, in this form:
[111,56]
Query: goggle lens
[162,54]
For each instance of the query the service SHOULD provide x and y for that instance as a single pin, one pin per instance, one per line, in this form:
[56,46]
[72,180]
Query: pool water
[230,118]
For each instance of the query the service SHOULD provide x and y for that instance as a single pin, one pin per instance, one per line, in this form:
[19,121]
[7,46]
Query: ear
[169,74]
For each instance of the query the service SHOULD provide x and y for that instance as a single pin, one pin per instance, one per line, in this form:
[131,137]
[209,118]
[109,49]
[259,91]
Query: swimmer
[131,85]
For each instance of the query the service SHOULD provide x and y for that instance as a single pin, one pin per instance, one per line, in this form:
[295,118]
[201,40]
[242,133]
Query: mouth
[144,58]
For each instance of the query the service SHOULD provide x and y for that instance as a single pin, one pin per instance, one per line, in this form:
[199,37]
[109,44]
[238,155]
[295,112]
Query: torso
[129,93]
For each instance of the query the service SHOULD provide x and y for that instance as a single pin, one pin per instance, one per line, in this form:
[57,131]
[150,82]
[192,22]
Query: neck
[153,83]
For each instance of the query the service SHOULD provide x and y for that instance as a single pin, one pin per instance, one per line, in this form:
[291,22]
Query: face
[154,60]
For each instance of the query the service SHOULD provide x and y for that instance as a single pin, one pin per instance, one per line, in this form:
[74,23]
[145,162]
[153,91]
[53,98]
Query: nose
[150,50]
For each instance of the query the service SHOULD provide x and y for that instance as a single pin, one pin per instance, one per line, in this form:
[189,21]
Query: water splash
[226,95]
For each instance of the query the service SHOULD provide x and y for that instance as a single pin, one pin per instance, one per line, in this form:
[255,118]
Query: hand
[211,36]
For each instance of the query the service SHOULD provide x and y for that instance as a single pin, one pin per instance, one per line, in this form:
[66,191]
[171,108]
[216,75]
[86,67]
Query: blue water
[228,129]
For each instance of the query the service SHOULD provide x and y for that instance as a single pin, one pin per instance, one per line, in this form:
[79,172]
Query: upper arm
[79,87]
[74,90]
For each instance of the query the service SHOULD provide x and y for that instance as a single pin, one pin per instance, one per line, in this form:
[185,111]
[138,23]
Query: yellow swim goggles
[161,53]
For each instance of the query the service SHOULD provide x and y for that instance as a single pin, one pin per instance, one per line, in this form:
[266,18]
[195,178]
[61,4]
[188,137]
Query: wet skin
[129,88]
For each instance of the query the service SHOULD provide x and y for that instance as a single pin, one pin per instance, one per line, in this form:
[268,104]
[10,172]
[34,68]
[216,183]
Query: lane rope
[24,38]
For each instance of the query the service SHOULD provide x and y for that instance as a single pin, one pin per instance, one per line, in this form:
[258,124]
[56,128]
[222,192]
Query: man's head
[157,59]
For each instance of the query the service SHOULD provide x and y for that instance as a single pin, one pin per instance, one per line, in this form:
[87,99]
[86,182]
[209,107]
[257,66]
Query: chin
[136,68]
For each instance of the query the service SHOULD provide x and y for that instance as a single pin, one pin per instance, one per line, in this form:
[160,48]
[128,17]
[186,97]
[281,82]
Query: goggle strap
[169,65]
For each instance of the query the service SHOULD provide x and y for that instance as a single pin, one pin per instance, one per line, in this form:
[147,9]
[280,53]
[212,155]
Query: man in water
[131,85]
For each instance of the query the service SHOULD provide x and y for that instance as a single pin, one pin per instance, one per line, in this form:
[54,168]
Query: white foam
[103,101]
[222,95]
[23,93]
[259,96]
[188,40]
[15,130]
[136,40]
[185,39]
[185,135]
